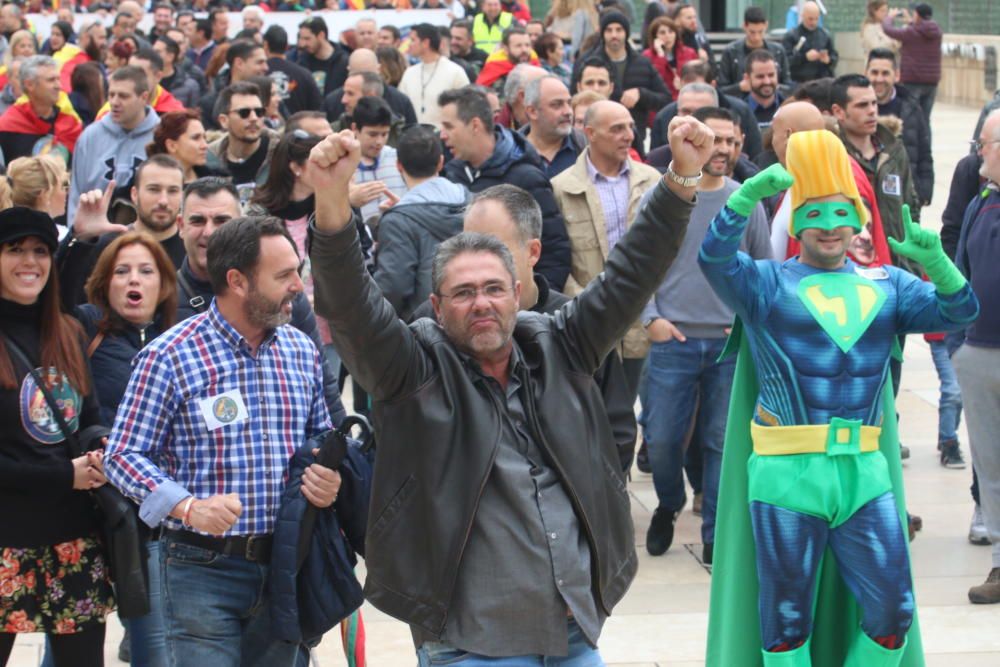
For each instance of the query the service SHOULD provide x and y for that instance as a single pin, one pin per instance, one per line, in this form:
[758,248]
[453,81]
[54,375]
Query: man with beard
[550,130]
[156,196]
[636,83]
[214,412]
[245,150]
[93,48]
[765,94]
[327,61]
[515,49]
[503,522]
[424,82]
[687,325]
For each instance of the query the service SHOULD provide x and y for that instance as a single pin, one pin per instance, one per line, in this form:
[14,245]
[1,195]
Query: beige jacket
[588,237]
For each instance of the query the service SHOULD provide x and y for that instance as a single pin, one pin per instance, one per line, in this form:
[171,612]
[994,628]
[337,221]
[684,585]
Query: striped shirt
[613,193]
[384,169]
[202,415]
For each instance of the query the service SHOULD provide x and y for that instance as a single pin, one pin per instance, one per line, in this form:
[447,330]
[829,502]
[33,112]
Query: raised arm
[735,277]
[376,346]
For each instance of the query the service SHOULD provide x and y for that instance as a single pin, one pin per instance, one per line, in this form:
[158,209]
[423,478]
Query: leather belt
[255,548]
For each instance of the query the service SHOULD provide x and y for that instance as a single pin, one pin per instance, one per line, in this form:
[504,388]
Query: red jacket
[682,55]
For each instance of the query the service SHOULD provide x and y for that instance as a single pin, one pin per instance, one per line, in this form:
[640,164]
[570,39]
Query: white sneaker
[977,528]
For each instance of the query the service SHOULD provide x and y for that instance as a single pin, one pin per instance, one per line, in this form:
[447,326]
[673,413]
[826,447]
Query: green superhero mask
[825,215]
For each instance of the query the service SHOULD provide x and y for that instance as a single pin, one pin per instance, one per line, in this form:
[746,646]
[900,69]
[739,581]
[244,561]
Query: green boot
[866,653]
[798,658]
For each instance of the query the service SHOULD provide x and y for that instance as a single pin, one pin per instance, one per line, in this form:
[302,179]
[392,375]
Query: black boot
[661,531]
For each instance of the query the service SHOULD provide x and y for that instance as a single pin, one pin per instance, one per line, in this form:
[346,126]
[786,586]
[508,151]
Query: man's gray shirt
[526,564]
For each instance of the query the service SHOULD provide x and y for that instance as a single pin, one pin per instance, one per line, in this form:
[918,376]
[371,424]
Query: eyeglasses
[979,145]
[466,295]
[245,113]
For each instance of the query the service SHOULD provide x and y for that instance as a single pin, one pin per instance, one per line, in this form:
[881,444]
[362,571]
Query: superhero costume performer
[811,483]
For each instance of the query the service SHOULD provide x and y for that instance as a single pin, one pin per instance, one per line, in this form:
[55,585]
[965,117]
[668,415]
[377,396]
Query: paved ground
[663,619]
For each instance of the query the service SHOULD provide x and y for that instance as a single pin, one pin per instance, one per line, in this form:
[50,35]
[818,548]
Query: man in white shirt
[423,83]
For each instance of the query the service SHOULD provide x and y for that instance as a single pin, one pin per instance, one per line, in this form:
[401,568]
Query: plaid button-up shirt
[202,415]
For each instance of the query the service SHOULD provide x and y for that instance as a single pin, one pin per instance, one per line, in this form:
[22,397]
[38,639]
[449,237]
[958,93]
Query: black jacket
[732,65]
[916,138]
[516,162]
[194,296]
[296,85]
[111,362]
[639,73]
[184,86]
[752,142]
[966,184]
[397,101]
[438,422]
[328,74]
[798,42]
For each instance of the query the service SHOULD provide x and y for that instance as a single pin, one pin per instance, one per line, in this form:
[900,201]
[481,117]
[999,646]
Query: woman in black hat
[53,575]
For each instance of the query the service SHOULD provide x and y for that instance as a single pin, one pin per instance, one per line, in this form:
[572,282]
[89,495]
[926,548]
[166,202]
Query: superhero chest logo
[844,305]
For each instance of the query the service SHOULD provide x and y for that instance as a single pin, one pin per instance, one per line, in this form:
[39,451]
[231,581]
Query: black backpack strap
[197,303]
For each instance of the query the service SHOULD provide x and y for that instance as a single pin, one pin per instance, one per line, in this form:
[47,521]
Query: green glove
[924,246]
[769,182]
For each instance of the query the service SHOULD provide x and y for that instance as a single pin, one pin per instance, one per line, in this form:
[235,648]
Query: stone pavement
[663,619]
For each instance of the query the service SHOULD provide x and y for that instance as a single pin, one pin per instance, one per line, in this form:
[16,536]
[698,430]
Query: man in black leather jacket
[491,426]
[208,203]
[513,216]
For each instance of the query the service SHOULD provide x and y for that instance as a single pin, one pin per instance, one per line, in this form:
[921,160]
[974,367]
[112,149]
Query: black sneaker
[904,452]
[661,531]
[706,554]
[951,455]
[642,458]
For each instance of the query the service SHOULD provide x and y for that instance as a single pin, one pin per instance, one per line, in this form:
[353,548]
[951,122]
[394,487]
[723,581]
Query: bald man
[365,60]
[811,54]
[597,218]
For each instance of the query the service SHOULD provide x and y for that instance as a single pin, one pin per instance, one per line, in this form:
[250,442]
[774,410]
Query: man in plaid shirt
[214,410]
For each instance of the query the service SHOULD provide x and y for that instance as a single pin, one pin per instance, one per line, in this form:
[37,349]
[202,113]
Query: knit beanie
[615,16]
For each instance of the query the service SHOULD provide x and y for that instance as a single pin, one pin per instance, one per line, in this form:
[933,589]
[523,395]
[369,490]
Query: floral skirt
[58,589]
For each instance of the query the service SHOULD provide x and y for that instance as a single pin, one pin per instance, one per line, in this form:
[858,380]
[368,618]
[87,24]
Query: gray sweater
[685,297]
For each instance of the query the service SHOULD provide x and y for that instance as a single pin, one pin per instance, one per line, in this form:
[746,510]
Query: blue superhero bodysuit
[820,341]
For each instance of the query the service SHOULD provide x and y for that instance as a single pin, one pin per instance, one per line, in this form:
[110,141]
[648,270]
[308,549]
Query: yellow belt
[811,439]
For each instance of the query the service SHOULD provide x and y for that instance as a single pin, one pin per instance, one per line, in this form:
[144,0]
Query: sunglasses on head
[245,113]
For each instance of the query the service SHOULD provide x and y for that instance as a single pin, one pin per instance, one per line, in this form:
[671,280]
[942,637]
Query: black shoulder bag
[119,523]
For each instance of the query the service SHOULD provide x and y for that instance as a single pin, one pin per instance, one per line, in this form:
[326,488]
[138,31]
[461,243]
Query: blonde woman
[22,45]
[40,183]
[872,34]
[572,20]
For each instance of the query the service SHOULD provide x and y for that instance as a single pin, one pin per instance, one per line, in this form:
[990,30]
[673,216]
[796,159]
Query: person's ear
[134,194]
[237,282]
[534,251]
[436,304]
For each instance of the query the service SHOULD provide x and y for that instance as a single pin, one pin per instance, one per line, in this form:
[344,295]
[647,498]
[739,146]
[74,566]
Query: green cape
[733,621]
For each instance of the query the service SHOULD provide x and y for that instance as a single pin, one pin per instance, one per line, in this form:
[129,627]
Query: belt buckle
[843,437]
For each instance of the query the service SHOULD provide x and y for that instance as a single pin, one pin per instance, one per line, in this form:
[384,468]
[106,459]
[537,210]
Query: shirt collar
[596,176]
[229,333]
[754,104]
[373,166]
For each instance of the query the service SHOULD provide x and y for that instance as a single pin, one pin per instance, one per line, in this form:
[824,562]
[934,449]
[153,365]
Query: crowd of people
[505,231]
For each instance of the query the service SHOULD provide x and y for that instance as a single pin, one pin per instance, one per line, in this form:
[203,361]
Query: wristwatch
[646,322]
[683,181]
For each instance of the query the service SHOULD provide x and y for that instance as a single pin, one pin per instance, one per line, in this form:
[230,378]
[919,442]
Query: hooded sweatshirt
[516,162]
[106,151]
[408,236]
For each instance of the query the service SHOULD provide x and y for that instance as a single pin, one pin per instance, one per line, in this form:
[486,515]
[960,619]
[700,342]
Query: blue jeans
[216,610]
[950,402]
[678,374]
[870,550]
[581,654]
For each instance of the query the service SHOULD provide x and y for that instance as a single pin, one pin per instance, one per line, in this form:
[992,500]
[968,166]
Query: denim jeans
[925,94]
[216,610]
[950,402]
[147,634]
[581,654]
[678,374]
